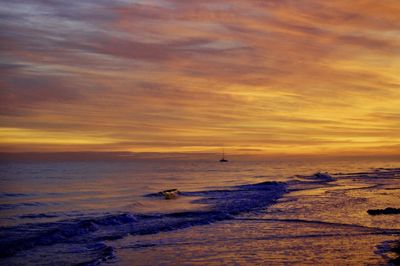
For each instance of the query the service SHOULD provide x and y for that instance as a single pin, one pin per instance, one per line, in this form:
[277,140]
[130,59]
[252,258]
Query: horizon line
[127,155]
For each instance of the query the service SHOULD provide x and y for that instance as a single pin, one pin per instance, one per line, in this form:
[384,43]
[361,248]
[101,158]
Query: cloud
[20,93]
[282,76]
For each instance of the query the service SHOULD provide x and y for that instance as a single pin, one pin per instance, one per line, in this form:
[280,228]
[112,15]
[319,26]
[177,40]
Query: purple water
[106,212]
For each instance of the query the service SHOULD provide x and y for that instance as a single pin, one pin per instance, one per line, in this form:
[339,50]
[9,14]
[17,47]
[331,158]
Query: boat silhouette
[223,160]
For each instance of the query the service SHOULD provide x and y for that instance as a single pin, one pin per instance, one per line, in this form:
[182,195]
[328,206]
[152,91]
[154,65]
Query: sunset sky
[253,76]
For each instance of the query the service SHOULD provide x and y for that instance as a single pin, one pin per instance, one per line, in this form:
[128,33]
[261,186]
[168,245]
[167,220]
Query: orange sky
[269,77]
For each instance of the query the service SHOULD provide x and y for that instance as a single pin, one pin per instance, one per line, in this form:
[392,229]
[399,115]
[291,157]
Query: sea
[243,212]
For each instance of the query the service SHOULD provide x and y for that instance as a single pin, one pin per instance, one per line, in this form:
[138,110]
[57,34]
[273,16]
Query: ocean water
[241,212]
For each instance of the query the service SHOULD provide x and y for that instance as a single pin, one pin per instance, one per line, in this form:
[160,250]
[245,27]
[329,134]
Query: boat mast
[223,160]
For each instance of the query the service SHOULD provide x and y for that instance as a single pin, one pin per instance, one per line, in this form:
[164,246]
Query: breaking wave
[88,233]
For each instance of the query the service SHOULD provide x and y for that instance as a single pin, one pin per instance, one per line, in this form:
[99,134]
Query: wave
[15,195]
[38,216]
[374,230]
[222,204]
[11,206]
[323,177]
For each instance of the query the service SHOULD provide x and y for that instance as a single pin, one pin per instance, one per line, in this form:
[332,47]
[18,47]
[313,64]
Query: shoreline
[223,205]
[98,238]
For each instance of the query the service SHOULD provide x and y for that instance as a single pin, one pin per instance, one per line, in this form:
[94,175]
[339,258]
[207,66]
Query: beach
[243,213]
[165,132]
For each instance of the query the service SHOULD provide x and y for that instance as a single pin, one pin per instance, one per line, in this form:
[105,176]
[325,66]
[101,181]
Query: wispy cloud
[165,75]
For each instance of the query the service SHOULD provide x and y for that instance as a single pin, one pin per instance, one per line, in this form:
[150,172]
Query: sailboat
[223,160]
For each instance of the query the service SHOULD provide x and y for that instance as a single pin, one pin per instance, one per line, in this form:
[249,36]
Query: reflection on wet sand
[317,222]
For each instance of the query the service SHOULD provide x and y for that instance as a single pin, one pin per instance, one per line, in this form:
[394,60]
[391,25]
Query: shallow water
[70,212]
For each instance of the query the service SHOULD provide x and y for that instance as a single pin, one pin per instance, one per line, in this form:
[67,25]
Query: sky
[252,76]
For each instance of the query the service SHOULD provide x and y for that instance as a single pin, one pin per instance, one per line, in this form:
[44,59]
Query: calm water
[74,212]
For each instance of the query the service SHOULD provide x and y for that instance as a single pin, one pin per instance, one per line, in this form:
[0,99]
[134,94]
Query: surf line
[376,229]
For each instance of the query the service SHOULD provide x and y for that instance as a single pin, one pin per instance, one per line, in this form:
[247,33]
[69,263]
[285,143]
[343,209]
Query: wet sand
[319,222]
[319,219]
